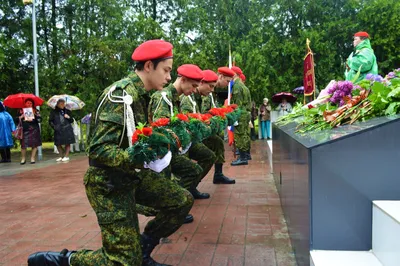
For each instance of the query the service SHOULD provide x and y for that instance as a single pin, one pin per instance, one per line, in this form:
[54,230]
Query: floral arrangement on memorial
[343,102]
[148,145]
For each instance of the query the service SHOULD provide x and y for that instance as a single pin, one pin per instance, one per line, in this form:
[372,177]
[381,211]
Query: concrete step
[386,231]
[343,258]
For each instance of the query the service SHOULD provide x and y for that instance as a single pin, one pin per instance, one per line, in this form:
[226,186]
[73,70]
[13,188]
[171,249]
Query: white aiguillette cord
[212,100]
[193,102]
[167,101]
[129,118]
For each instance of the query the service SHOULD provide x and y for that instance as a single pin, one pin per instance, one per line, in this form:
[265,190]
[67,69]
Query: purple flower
[378,78]
[369,76]
[391,75]
[341,103]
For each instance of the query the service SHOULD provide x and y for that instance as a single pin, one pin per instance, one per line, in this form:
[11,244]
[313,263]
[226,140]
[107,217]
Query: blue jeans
[265,129]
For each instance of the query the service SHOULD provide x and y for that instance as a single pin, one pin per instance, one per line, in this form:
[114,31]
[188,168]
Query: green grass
[45,146]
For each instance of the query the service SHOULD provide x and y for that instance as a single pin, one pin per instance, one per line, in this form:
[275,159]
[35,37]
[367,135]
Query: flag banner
[309,74]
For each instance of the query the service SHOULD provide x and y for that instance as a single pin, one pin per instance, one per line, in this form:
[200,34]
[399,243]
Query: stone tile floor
[45,208]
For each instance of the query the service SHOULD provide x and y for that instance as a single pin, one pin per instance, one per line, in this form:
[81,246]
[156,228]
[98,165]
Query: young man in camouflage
[241,96]
[113,183]
[189,77]
[202,101]
[225,75]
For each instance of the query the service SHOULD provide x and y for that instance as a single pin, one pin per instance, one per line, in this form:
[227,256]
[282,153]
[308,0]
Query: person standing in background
[254,113]
[265,119]
[284,107]
[361,59]
[6,141]
[31,131]
[61,121]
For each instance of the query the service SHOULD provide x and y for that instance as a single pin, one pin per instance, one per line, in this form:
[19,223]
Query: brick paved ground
[44,207]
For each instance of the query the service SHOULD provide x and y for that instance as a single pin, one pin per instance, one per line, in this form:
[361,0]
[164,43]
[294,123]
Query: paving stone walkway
[44,207]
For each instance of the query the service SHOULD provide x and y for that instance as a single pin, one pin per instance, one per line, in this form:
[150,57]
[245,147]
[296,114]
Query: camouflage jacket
[203,103]
[159,108]
[107,142]
[187,103]
[207,103]
[241,95]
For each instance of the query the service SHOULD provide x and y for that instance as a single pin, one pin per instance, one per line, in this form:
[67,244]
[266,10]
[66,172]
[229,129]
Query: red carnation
[162,122]
[135,137]
[214,111]
[147,131]
[206,117]
[233,106]
[229,109]
[195,116]
[182,117]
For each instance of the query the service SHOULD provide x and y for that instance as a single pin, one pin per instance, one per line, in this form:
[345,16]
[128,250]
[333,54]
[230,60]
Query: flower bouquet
[147,145]
[198,126]
[175,130]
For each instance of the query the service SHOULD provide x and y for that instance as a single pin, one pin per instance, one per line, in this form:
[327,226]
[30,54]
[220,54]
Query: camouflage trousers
[216,144]
[186,170]
[204,156]
[242,132]
[112,196]
[187,174]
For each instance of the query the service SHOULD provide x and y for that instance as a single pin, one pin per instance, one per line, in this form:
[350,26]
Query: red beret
[190,71]
[237,70]
[151,50]
[242,77]
[209,76]
[226,71]
[361,34]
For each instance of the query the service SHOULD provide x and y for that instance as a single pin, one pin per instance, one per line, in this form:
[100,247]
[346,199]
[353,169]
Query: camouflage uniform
[181,166]
[241,96]
[213,143]
[199,152]
[112,183]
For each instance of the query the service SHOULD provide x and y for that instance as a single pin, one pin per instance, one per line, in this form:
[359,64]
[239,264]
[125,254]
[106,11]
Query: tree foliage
[85,45]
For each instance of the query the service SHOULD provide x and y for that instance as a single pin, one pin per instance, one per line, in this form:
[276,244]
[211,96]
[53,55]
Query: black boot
[188,219]
[219,177]
[198,195]
[248,155]
[242,160]
[8,154]
[148,244]
[237,152]
[50,258]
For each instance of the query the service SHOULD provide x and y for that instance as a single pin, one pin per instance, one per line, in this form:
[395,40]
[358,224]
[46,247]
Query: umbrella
[71,102]
[277,98]
[299,90]
[18,100]
[86,119]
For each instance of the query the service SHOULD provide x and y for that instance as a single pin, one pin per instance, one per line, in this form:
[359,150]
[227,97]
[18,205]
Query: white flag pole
[230,66]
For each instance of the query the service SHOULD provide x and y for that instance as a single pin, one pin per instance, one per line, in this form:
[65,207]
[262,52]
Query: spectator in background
[265,119]
[6,141]
[60,120]
[284,107]
[254,113]
[31,131]
[361,59]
